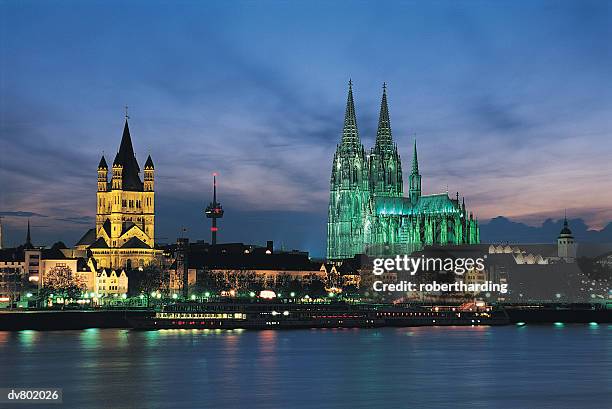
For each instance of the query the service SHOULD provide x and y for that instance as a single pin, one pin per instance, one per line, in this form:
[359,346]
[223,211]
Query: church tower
[125,216]
[148,198]
[349,190]
[415,178]
[385,166]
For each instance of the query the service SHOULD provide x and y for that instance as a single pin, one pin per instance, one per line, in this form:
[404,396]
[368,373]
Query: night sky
[511,104]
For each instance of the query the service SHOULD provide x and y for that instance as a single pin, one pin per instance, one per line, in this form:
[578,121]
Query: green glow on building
[368,212]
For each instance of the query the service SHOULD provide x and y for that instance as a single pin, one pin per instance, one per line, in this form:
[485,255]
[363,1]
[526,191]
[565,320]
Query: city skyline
[229,93]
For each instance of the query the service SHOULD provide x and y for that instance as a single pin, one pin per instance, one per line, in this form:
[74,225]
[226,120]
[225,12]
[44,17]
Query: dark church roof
[107,227]
[53,254]
[99,244]
[129,225]
[88,238]
[126,227]
[135,243]
[126,158]
[149,163]
[102,164]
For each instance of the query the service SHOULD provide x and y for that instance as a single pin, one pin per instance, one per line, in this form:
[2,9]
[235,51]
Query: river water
[548,366]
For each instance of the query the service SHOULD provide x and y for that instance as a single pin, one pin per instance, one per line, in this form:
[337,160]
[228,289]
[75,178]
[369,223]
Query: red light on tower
[214,211]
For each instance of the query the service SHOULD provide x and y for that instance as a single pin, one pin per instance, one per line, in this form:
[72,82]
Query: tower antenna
[126,113]
[214,211]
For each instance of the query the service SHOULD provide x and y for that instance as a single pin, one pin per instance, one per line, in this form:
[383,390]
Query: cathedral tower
[385,166]
[349,190]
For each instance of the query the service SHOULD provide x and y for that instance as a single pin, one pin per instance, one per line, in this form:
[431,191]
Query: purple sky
[511,104]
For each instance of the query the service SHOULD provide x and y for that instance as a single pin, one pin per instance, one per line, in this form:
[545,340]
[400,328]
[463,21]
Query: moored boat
[287,315]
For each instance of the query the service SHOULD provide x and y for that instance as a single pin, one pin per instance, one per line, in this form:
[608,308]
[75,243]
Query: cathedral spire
[415,177]
[415,160]
[350,134]
[383,134]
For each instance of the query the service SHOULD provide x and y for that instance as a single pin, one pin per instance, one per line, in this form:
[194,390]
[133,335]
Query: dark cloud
[499,117]
[85,220]
[22,214]
[503,230]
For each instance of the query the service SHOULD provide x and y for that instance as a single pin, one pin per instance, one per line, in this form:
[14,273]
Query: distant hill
[501,230]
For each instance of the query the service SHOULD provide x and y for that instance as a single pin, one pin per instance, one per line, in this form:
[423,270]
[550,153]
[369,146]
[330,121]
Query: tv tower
[214,211]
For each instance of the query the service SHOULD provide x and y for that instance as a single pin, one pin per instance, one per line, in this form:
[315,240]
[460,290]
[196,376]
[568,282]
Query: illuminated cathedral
[368,212]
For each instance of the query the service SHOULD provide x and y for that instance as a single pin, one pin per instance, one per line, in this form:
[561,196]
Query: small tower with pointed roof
[102,175]
[149,175]
[566,246]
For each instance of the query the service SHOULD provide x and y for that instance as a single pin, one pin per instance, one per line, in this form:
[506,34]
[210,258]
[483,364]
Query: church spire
[28,243]
[415,160]
[350,134]
[383,134]
[127,159]
[415,177]
[102,165]
[126,150]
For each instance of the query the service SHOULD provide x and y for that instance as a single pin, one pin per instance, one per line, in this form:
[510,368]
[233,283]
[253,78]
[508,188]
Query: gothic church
[368,212]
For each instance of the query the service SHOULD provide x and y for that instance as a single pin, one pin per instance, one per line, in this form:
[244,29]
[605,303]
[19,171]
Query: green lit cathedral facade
[368,211]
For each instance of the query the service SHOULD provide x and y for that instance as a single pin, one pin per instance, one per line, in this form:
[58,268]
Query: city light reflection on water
[28,338]
[526,366]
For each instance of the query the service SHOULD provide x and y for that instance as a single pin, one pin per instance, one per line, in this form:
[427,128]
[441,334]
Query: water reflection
[28,338]
[90,338]
[529,366]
